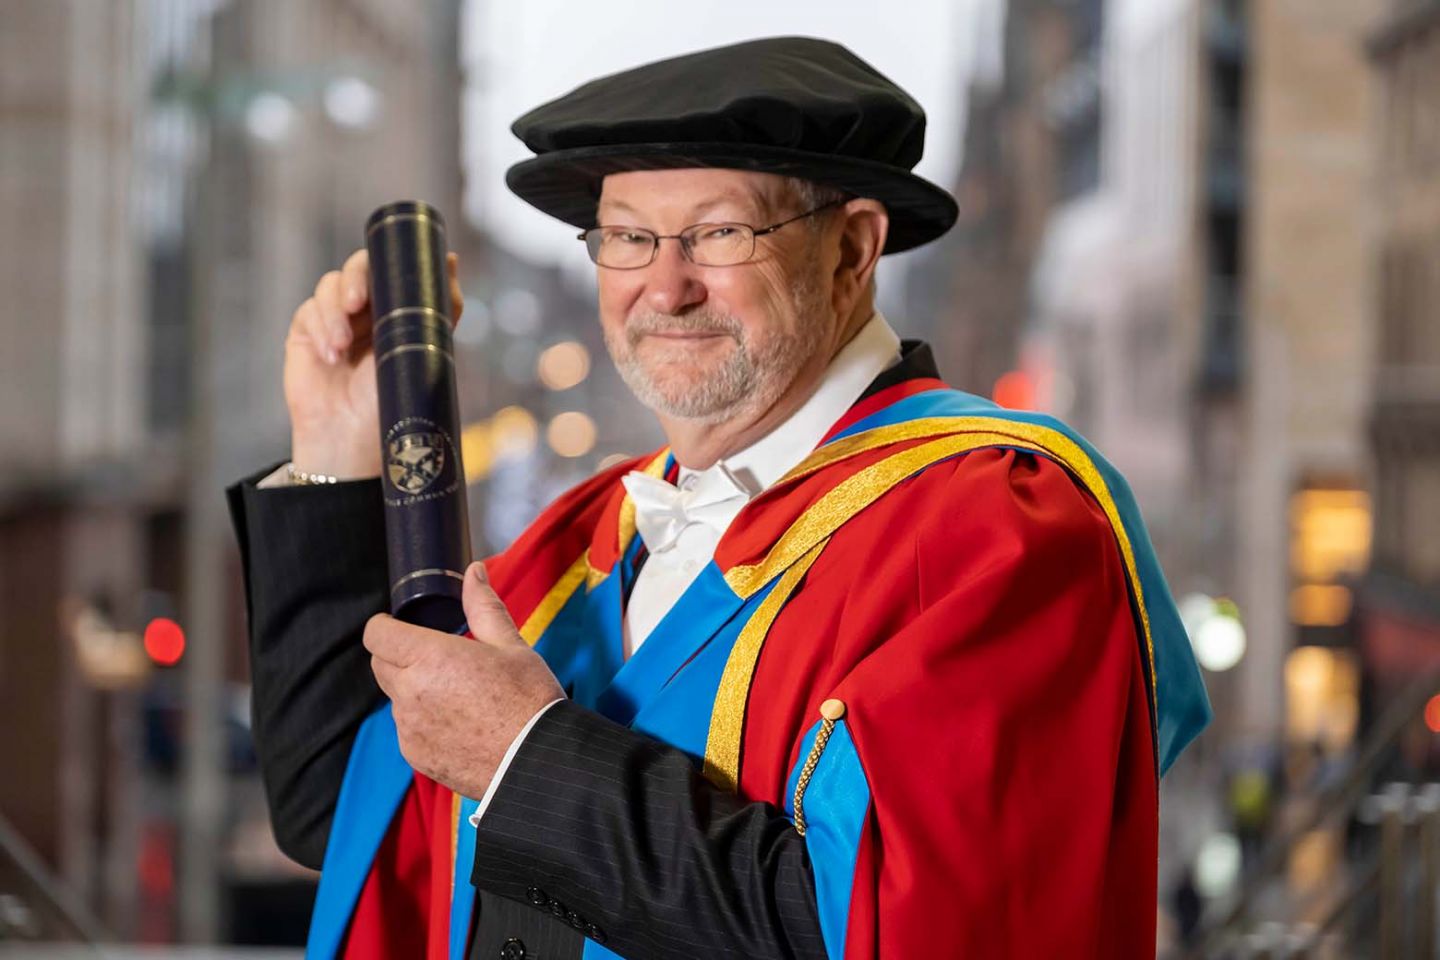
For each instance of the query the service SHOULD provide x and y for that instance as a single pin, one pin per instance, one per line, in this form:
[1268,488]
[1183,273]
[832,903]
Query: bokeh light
[351,102]
[1015,391]
[1220,643]
[1215,630]
[1320,604]
[612,460]
[563,365]
[513,432]
[517,312]
[477,450]
[1432,714]
[571,434]
[164,641]
[271,117]
[1217,865]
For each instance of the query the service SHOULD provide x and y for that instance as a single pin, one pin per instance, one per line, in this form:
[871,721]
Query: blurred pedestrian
[1187,906]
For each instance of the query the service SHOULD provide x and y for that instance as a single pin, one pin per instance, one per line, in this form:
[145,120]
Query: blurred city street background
[1204,232]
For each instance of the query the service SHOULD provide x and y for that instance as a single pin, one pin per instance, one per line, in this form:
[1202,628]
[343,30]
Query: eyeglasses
[704,244]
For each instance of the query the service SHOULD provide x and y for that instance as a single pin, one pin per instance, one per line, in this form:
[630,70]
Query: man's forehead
[689,189]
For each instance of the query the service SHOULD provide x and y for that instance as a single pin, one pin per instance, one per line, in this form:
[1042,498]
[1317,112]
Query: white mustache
[698,322]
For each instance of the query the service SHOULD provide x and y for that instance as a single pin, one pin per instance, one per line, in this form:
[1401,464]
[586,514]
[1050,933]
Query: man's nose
[672,282]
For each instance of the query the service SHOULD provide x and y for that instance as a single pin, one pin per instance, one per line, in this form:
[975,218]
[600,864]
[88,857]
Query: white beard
[749,378]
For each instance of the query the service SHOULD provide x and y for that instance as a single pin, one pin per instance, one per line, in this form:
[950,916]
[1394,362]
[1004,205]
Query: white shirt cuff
[505,763]
[279,477]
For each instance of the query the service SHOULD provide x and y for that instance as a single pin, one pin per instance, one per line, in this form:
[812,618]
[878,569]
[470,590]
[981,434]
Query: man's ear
[863,226]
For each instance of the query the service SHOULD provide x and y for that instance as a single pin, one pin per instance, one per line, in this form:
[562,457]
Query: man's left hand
[458,703]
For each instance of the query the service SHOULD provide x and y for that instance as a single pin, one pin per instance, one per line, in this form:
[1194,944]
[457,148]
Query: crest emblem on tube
[415,460]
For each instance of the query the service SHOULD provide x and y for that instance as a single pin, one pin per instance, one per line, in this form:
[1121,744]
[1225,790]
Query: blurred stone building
[177,173]
[1155,208]
[1167,238]
[1077,271]
[1311,317]
[74,428]
[1400,622]
[1070,258]
[978,276]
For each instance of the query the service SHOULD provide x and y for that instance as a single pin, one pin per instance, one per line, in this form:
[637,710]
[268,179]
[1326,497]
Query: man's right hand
[330,374]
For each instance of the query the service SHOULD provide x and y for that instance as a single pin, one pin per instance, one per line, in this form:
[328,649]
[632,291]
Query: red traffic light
[164,641]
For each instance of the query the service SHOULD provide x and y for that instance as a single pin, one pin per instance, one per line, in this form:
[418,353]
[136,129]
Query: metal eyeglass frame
[686,244]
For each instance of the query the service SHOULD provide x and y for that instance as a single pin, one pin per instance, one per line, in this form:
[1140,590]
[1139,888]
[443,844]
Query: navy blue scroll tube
[426,522]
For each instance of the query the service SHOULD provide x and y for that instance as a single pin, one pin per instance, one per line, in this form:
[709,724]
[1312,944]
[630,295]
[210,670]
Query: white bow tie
[662,510]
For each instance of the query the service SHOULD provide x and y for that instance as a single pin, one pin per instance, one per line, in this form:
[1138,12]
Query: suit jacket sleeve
[315,572]
[620,835]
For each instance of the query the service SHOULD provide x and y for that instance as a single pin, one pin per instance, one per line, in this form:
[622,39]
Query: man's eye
[630,237]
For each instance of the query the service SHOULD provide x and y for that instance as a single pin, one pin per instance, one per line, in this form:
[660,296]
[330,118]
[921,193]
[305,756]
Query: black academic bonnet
[793,106]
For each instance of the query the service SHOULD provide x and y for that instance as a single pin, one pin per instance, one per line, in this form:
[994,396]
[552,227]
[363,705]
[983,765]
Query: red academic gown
[974,607]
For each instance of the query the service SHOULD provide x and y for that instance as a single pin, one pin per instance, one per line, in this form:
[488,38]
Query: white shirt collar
[871,351]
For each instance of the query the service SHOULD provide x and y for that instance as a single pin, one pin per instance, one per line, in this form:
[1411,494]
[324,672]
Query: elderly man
[858,665]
